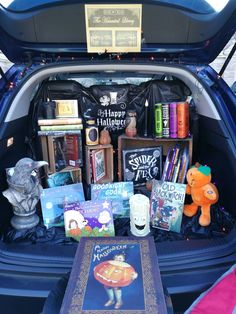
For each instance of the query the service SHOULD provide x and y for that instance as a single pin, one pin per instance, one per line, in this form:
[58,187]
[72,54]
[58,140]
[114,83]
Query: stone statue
[24,193]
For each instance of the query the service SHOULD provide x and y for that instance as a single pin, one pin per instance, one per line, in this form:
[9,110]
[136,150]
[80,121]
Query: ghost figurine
[139,215]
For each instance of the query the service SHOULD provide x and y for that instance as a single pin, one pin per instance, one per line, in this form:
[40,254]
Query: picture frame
[140,289]
[98,164]
[66,108]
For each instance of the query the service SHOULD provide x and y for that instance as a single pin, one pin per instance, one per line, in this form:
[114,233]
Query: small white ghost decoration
[139,215]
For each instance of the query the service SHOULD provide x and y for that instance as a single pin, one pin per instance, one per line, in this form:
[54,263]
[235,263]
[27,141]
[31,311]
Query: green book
[61,127]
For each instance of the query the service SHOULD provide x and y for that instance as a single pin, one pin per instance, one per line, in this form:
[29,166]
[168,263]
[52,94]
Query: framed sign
[113,28]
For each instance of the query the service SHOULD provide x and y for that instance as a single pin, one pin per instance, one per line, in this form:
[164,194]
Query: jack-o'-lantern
[114,273]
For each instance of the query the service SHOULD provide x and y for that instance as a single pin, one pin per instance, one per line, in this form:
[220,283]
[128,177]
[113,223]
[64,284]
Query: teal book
[118,193]
[53,201]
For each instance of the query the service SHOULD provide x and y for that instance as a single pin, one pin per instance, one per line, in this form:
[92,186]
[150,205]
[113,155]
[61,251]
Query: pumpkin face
[196,179]
[114,273]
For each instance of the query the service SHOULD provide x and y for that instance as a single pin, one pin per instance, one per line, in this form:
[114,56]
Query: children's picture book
[115,275]
[89,219]
[118,193]
[167,202]
[53,201]
[98,164]
[68,175]
[142,164]
[59,179]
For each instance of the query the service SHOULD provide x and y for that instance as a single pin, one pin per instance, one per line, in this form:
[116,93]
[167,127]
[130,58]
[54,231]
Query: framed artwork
[98,164]
[115,275]
[66,108]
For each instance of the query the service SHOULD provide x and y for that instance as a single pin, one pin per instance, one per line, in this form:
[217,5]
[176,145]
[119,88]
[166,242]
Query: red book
[73,149]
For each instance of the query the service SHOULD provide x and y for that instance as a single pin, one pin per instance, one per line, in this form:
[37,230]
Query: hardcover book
[89,219]
[142,164]
[61,127]
[59,121]
[58,133]
[74,151]
[53,201]
[167,202]
[98,165]
[118,193]
[115,275]
[68,175]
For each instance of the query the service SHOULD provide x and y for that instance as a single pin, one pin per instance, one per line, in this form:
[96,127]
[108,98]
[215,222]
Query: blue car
[160,51]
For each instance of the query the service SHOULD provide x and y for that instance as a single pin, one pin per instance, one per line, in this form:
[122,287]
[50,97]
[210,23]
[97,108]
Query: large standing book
[115,275]
[142,164]
[167,202]
[89,219]
[118,193]
[54,199]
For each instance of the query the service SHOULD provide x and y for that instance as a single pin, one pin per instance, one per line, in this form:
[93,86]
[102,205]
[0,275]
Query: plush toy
[202,191]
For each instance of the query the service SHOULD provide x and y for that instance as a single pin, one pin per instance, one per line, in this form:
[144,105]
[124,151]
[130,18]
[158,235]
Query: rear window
[199,6]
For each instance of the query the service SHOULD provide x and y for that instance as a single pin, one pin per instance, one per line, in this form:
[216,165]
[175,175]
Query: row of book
[172,120]
[176,164]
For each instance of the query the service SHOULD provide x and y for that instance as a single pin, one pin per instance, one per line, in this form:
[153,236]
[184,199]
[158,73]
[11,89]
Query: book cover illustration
[59,179]
[88,219]
[142,164]
[118,193]
[167,202]
[115,275]
[98,164]
[53,200]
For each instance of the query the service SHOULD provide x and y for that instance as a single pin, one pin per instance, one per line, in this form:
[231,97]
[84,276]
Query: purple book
[115,275]
[173,120]
[89,219]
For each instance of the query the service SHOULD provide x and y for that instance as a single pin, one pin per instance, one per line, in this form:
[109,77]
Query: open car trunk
[189,261]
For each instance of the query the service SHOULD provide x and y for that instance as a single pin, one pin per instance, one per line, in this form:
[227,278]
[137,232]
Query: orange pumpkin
[114,273]
[75,232]
[88,229]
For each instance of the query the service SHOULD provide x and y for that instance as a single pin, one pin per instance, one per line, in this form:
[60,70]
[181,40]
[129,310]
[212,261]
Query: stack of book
[176,164]
[58,126]
[172,120]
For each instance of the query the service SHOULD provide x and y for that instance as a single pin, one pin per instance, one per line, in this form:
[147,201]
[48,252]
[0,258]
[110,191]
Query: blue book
[53,201]
[118,193]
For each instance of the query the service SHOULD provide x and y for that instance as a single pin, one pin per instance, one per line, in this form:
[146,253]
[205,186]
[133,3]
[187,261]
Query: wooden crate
[125,142]
[108,151]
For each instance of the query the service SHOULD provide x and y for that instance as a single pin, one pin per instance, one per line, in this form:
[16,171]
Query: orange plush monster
[202,191]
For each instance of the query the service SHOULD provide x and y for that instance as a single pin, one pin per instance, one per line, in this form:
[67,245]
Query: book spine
[173,120]
[72,150]
[158,120]
[175,160]
[59,121]
[171,164]
[183,119]
[61,127]
[183,166]
[165,120]
[58,133]
[176,170]
[166,165]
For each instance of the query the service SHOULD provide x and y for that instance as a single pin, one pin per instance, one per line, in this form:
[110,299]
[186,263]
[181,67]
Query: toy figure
[202,191]
[114,274]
